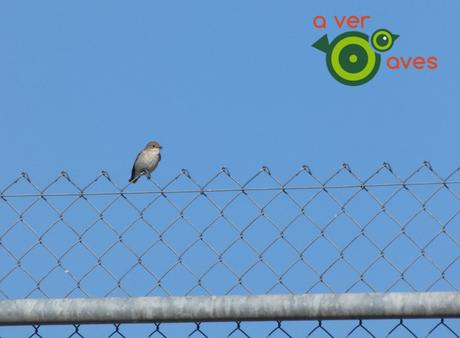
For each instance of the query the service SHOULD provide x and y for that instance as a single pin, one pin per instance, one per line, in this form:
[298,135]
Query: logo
[352,58]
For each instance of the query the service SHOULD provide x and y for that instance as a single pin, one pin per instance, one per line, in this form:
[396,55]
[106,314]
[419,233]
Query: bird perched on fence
[146,161]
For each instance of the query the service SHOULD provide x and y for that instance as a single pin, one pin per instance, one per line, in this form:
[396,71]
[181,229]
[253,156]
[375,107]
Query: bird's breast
[148,158]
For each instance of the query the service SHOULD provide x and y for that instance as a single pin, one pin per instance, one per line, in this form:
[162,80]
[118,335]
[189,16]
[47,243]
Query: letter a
[322,21]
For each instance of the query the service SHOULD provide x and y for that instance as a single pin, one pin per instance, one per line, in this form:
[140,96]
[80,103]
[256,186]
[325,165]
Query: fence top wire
[436,180]
[261,235]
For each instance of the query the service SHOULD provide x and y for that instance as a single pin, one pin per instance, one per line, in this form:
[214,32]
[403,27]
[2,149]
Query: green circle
[355,52]
[382,40]
[353,58]
[342,68]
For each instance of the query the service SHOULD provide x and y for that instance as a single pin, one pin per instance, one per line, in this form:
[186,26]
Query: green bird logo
[350,57]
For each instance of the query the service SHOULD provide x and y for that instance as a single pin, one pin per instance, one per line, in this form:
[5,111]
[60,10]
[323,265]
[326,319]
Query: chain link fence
[342,233]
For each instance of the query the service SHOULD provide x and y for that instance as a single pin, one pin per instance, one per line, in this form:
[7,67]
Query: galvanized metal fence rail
[344,243]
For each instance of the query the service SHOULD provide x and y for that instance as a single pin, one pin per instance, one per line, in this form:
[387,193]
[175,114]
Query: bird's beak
[395,36]
[161,147]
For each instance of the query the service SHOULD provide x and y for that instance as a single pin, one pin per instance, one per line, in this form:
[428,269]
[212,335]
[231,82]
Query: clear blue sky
[85,84]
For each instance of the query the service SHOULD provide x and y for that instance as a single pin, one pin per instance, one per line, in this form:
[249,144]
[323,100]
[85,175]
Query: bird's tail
[133,179]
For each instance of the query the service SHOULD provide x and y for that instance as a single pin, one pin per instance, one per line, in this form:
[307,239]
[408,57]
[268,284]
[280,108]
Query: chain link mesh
[263,235]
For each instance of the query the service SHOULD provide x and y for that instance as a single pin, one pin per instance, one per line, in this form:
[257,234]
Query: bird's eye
[382,40]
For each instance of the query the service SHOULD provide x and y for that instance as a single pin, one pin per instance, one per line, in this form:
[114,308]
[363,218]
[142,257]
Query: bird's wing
[133,171]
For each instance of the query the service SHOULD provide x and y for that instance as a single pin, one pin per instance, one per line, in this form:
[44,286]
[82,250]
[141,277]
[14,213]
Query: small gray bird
[146,161]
